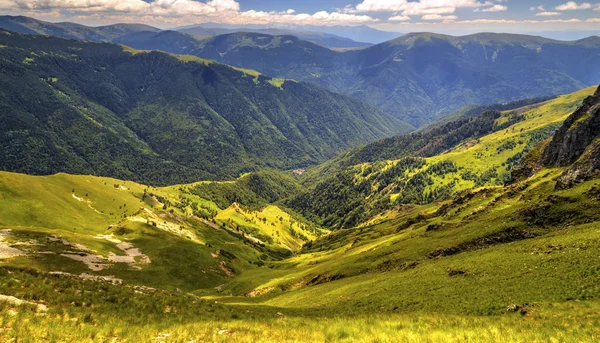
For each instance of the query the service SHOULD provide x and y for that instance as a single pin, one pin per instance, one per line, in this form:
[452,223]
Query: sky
[449,16]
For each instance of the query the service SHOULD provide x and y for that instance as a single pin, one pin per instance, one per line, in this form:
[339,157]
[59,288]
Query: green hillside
[495,258]
[429,165]
[419,77]
[88,224]
[93,108]
[106,33]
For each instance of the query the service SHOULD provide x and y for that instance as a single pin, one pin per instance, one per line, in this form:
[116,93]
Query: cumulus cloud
[416,7]
[507,22]
[439,17]
[399,18]
[156,7]
[495,8]
[178,11]
[572,5]
[547,14]
[537,8]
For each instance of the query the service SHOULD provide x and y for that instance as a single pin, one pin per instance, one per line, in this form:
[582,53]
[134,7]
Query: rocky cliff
[576,145]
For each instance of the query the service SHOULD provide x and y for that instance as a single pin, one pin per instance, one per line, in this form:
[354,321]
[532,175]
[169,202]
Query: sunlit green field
[92,259]
[99,312]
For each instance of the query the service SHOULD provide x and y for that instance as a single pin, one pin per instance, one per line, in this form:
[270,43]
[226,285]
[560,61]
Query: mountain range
[418,78]
[362,33]
[111,32]
[320,38]
[83,107]
[148,194]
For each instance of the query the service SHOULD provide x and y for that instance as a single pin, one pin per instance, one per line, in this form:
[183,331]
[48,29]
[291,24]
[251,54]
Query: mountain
[577,144]
[418,77]
[426,166]
[279,55]
[566,35]
[70,30]
[362,33]
[110,32]
[183,262]
[98,108]
[320,38]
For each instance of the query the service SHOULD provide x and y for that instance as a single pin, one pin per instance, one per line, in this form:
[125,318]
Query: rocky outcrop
[576,145]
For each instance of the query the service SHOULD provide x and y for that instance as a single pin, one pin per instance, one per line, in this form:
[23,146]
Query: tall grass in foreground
[577,326]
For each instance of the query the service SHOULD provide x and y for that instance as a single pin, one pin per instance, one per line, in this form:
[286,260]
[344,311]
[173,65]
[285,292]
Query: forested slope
[97,108]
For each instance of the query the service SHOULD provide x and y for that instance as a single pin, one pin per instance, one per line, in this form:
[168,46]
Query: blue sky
[450,16]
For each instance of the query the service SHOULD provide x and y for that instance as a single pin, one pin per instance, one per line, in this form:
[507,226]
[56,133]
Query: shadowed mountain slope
[96,108]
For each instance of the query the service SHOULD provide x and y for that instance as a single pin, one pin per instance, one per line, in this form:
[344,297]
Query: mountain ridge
[417,77]
[191,118]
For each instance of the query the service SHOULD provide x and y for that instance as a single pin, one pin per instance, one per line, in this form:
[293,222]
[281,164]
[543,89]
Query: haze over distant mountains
[325,39]
[104,109]
[110,32]
[418,78]
[360,33]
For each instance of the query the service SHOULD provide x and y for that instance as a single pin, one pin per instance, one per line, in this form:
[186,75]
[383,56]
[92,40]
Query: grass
[377,282]
[104,312]
[389,264]
[487,161]
[186,253]
[272,224]
[276,82]
[486,151]
[442,271]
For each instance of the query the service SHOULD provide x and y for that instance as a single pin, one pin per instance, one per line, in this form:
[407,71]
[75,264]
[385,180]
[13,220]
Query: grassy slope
[521,244]
[492,152]
[400,249]
[547,115]
[91,318]
[185,250]
[443,271]
[398,292]
[485,161]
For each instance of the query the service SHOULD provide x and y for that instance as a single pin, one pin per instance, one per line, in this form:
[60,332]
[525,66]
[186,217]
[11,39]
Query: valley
[239,255]
[418,78]
[239,181]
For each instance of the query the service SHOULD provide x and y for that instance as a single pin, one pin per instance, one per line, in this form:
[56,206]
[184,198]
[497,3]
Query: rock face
[577,144]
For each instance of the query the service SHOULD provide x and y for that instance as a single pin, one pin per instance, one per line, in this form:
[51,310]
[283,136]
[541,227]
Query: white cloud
[495,8]
[547,14]
[178,11]
[416,7]
[156,7]
[439,17]
[507,22]
[572,5]
[382,6]
[418,10]
[538,8]
[399,18]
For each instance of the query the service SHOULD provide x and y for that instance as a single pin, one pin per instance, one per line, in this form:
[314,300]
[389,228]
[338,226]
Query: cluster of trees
[348,198]
[253,190]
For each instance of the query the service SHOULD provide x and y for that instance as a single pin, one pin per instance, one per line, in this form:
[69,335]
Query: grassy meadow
[95,259]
